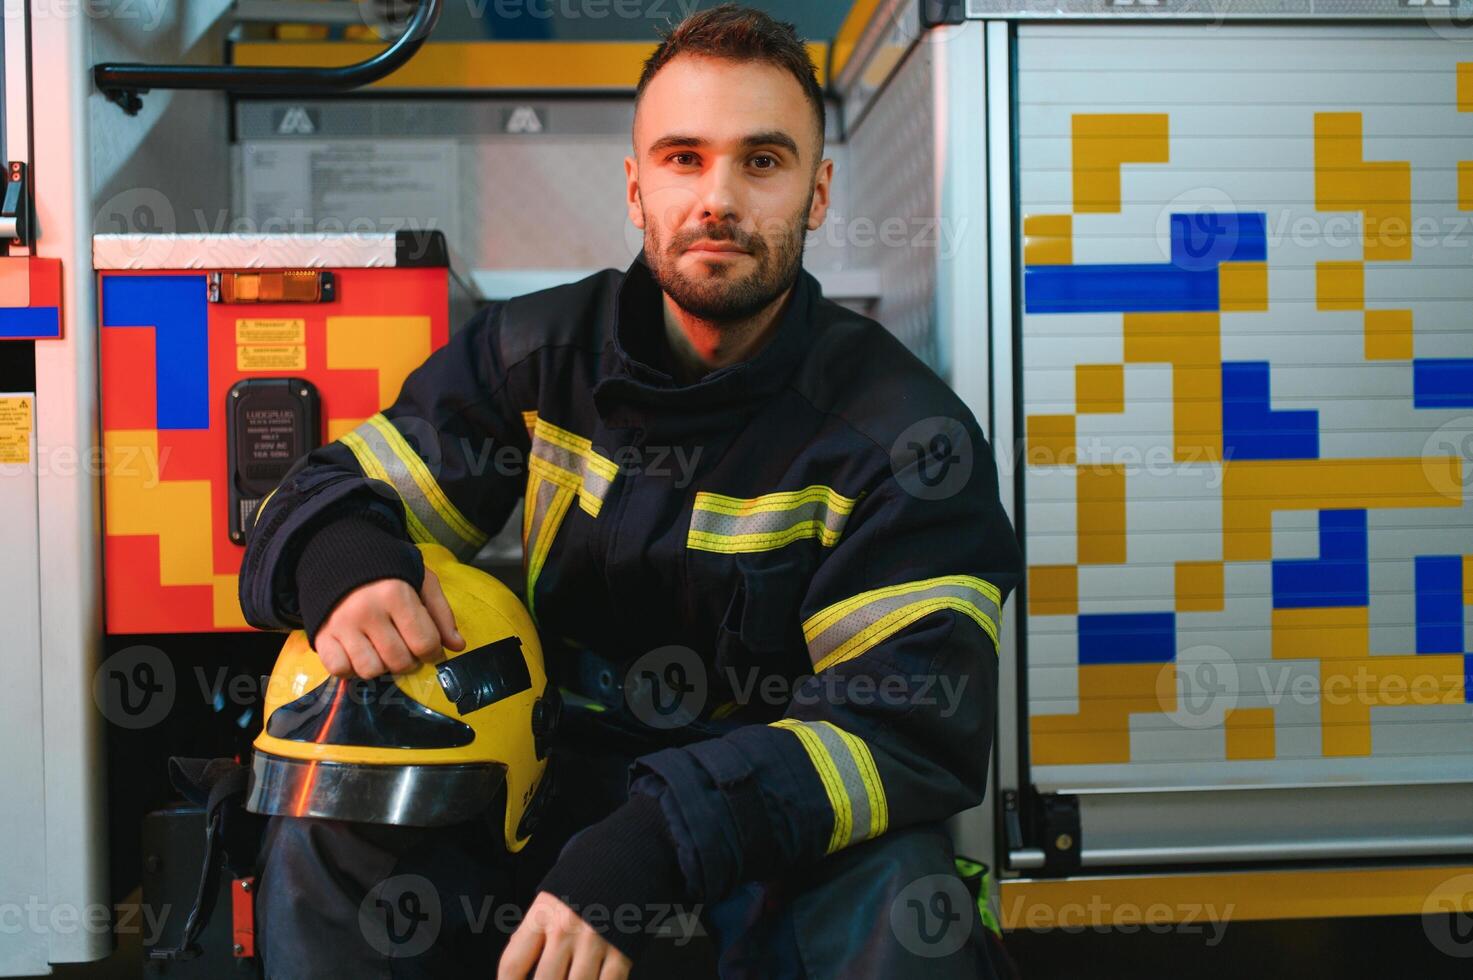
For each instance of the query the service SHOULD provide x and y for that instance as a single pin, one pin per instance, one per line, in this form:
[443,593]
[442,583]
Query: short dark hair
[739,34]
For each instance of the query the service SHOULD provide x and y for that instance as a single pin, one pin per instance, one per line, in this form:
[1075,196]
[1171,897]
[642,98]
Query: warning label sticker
[276,357]
[279,331]
[15,429]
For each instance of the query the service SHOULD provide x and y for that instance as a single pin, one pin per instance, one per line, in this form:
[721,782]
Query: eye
[771,160]
[683,159]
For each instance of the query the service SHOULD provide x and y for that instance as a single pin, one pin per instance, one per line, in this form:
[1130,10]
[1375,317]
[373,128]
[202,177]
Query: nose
[718,195]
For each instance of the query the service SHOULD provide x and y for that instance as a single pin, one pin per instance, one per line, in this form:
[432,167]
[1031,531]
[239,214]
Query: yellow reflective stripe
[575,443]
[850,779]
[262,505]
[544,533]
[869,774]
[569,460]
[743,543]
[433,494]
[849,628]
[740,507]
[725,711]
[553,473]
[824,617]
[828,775]
[561,466]
[374,470]
[734,525]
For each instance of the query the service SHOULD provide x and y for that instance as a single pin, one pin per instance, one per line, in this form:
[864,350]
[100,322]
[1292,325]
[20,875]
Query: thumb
[439,609]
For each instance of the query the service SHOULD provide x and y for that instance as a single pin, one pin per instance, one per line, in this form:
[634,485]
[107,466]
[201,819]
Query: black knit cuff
[344,554]
[621,875]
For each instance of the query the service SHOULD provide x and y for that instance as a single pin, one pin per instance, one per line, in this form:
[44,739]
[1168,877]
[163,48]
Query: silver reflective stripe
[849,628]
[546,506]
[769,521]
[425,506]
[735,525]
[851,782]
[542,496]
[569,461]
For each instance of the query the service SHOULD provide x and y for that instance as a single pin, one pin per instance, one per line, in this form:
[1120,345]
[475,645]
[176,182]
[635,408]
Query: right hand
[387,627]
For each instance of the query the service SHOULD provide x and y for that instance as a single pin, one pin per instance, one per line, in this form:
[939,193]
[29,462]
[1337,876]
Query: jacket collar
[630,380]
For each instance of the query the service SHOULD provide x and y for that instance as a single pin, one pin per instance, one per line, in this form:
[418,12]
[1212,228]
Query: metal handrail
[122,83]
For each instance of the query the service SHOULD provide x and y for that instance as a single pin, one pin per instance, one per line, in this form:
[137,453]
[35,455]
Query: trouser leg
[364,902]
[376,902]
[891,908]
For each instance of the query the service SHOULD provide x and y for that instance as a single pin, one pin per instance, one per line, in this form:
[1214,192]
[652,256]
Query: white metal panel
[69,504]
[369,250]
[895,227]
[1248,696]
[17,93]
[24,950]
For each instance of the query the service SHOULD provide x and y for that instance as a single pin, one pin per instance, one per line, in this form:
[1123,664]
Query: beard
[721,295]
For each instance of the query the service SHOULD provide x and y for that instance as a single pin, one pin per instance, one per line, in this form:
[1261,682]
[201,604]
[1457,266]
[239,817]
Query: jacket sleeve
[432,467]
[894,727]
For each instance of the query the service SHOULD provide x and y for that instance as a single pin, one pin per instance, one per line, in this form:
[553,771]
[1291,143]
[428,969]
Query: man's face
[725,182]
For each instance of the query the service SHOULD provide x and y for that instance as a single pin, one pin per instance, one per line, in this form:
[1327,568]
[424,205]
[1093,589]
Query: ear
[822,183]
[631,193]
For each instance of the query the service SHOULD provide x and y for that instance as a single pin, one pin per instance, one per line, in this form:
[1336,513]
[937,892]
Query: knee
[326,860]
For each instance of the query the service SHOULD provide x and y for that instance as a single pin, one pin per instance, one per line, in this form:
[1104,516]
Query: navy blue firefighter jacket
[818,526]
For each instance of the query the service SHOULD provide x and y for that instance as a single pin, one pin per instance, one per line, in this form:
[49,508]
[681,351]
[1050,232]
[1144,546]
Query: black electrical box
[270,424]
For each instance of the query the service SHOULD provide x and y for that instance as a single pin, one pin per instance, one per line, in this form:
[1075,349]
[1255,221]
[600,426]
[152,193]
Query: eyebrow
[775,137]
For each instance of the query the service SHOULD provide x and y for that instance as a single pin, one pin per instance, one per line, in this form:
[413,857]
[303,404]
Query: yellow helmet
[430,747]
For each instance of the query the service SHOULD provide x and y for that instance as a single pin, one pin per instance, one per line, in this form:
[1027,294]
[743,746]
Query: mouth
[716,248]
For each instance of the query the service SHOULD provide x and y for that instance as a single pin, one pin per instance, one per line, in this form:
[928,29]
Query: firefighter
[765,554]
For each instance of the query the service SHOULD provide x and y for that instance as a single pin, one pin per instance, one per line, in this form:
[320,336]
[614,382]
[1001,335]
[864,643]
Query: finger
[419,631]
[439,609]
[390,645]
[588,956]
[616,966]
[330,652]
[557,954]
[521,953]
[359,649]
